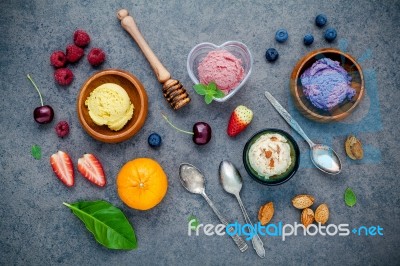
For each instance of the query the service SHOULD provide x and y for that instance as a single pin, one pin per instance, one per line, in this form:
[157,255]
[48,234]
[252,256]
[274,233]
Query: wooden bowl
[137,95]
[344,109]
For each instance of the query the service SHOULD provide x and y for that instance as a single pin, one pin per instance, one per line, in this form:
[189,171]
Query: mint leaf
[195,222]
[210,91]
[36,152]
[200,89]
[212,86]
[350,197]
[219,94]
[208,98]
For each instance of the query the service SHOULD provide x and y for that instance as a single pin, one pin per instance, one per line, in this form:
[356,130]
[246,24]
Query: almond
[265,213]
[322,214]
[302,201]
[354,148]
[307,217]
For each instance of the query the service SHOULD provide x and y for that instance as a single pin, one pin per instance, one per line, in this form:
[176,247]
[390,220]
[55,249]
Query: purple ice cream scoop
[326,84]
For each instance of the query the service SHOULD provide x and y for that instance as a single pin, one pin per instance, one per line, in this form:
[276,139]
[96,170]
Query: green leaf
[195,222]
[200,89]
[212,86]
[219,94]
[36,152]
[107,223]
[349,197]
[209,91]
[208,98]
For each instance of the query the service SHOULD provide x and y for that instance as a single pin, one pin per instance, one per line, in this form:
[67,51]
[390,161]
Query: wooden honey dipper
[172,89]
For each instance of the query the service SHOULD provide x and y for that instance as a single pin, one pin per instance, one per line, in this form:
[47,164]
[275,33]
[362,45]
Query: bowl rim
[118,136]
[295,75]
[296,163]
[240,85]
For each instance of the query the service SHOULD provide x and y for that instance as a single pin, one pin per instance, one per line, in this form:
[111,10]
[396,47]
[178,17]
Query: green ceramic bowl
[276,179]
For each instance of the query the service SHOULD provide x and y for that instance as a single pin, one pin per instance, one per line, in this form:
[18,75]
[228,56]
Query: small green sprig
[210,91]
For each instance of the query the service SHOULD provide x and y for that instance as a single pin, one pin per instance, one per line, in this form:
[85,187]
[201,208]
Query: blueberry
[154,140]
[308,39]
[271,54]
[321,20]
[281,36]
[330,35]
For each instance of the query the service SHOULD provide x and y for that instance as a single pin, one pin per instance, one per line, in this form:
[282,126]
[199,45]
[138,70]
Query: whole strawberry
[74,53]
[240,119]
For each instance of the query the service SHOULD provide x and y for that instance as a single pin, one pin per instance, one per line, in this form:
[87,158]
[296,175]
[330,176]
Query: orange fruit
[142,183]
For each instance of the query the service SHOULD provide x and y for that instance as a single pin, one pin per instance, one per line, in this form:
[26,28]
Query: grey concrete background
[36,229]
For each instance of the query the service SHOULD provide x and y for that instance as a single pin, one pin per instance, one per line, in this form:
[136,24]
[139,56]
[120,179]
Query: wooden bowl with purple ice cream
[327,85]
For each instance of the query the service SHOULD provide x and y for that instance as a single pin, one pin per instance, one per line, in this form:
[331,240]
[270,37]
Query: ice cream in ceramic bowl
[112,105]
[271,157]
[327,85]
[228,65]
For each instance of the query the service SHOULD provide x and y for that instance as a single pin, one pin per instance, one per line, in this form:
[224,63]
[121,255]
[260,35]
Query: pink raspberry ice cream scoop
[223,68]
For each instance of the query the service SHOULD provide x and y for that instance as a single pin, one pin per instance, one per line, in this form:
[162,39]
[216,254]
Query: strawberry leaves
[210,91]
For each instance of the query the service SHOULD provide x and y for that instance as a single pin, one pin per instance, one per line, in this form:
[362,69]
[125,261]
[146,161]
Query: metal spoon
[323,156]
[193,180]
[231,181]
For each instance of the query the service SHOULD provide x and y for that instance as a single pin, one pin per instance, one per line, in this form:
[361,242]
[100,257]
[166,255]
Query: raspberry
[62,129]
[96,57]
[74,53]
[81,38]
[58,59]
[63,76]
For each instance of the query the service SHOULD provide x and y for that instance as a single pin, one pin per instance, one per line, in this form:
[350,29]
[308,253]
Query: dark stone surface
[36,229]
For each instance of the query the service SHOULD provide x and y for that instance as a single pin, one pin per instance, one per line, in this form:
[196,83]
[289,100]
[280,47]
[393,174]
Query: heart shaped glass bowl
[277,179]
[238,49]
[344,109]
[137,95]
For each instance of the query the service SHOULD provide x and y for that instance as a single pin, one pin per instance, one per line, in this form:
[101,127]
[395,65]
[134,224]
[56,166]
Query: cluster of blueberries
[282,35]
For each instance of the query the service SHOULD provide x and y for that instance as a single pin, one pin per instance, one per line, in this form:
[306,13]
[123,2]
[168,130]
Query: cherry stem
[180,130]
[40,95]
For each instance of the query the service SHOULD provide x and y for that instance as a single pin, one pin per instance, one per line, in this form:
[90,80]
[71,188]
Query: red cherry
[202,133]
[43,114]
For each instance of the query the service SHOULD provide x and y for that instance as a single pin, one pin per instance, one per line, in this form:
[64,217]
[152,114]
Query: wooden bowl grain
[344,109]
[137,95]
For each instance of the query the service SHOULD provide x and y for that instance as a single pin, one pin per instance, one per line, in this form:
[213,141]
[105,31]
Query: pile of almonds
[303,202]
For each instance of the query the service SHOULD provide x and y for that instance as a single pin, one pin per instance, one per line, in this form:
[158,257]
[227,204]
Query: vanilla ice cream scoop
[109,105]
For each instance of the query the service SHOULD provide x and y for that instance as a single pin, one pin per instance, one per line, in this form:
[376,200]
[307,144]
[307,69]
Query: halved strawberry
[240,119]
[63,168]
[90,167]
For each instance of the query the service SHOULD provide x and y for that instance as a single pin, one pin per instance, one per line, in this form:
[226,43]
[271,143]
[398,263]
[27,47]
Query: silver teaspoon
[193,180]
[322,156]
[231,181]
